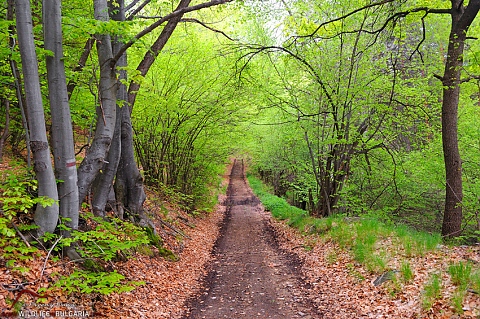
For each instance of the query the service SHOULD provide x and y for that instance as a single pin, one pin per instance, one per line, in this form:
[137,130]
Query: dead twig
[48,255]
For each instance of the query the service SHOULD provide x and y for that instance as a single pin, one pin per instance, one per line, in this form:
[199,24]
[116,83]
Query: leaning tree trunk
[155,49]
[16,78]
[462,17]
[106,110]
[45,217]
[62,133]
[129,189]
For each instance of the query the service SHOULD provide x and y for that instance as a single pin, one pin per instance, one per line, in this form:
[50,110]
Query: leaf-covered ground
[343,289]
[339,287]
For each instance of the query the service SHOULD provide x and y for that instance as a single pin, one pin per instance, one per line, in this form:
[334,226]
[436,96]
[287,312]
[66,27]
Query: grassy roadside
[391,251]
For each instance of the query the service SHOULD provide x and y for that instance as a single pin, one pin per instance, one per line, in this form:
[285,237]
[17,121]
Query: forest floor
[250,276]
[239,262]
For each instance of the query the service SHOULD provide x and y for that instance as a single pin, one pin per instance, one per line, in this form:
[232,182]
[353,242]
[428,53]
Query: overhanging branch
[169,16]
[205,25]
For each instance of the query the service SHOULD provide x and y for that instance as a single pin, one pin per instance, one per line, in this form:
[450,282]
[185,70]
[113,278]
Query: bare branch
[346,16]
[470,78]
[133,3]
[417,49]
[208,27]
[393,18]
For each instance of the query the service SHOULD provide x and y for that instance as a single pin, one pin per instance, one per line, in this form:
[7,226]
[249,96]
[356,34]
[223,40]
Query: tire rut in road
[250,277]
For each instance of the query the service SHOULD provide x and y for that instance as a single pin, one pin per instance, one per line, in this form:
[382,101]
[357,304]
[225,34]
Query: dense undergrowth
[374,245]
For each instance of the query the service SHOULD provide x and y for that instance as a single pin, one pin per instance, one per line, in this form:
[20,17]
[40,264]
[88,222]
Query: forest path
[250,277]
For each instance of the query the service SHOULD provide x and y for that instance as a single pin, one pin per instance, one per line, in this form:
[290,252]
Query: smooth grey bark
[129,182]
[62,132]
[462,18]
[129,189]
[103,184]
[45,217]
[106,110]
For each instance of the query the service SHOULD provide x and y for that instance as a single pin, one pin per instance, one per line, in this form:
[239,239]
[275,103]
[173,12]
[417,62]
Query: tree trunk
[3,137]
[152,54]
[462,17]
[102,186]
[45,217]
[106,110]
[62,133]
[129,183]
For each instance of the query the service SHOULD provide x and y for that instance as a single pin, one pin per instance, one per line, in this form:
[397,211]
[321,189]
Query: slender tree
[106,110]
[46,216]
[62,133]
[462,17]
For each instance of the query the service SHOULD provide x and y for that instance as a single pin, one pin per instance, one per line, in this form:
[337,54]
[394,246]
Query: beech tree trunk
[62,133]
[103,185]
[106,110]
[129,182]
[462,18]
[45,217]
[129,189]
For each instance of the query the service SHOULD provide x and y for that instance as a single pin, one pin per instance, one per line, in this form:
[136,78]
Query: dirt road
[250,277]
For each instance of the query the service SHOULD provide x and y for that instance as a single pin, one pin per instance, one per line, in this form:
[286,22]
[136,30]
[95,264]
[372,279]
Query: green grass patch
[406,272]
[465,277]
[431,291]
[460,274]
[279,207]
[370,241]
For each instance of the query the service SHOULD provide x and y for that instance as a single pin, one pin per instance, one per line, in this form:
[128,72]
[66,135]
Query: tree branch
[470,78]
[137,10]
[208,27]
[392,18]
[346,16]
[169,16]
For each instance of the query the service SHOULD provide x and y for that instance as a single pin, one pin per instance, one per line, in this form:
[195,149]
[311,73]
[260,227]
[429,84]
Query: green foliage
[415,242]
[18,199]
[431,291]
[185,119]
[464,276]
[108,239]
[17,191]
[88,282]
[457,300]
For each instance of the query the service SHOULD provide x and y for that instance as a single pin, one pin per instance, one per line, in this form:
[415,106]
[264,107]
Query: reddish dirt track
[250,276]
